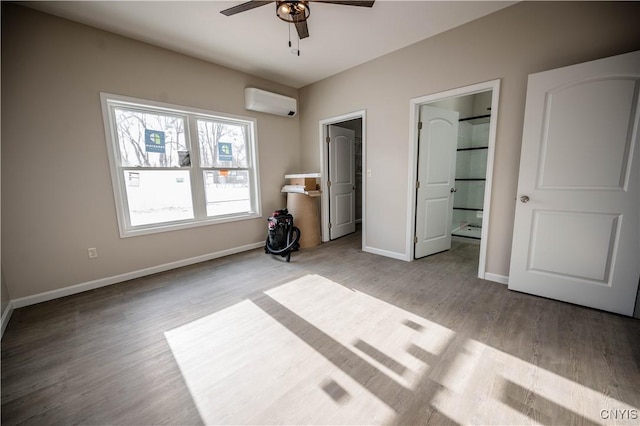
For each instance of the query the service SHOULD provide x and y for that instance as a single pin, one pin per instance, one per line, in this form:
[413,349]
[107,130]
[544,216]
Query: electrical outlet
[92,252]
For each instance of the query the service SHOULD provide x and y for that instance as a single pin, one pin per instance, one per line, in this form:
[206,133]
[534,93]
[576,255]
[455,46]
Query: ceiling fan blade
[348,3]
[303,30]
[243,7]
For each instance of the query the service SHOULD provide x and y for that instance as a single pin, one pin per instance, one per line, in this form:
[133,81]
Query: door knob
[453,190]
[524,199]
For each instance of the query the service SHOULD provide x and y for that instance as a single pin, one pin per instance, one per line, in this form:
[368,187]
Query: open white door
[577,225]
[437,144]
[342,178]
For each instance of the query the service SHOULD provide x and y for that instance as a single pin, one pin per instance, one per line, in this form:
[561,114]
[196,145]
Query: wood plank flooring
[337,336]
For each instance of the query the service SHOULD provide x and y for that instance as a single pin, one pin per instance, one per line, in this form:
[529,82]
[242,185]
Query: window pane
[158,196]
[227,192]
[149,139]
[222,144]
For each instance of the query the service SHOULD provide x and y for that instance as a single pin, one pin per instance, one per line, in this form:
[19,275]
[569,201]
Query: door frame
[324,171]
[415,103]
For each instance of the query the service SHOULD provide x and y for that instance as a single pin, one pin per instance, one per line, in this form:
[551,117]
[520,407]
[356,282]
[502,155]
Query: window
[175,167]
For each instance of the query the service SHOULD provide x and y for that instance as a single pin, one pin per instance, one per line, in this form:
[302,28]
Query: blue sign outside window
[225,151]
[154,140]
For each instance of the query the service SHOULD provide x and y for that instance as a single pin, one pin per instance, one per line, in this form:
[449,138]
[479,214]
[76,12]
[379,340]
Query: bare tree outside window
[131,126]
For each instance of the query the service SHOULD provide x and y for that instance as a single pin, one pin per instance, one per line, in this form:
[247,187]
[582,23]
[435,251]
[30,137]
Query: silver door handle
[454,190]
[524,199]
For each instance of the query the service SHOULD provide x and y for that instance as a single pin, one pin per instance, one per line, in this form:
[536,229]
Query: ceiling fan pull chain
[294,51]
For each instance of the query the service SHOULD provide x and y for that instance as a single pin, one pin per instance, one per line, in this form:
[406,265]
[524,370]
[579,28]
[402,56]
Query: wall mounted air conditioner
[271,103]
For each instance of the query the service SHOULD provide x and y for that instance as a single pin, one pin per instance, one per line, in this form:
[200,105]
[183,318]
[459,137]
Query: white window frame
[110,101]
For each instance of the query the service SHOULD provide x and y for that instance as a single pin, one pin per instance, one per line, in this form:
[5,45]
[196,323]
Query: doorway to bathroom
[453,136]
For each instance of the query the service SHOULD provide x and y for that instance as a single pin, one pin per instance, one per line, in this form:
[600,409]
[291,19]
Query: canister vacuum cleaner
[283,237]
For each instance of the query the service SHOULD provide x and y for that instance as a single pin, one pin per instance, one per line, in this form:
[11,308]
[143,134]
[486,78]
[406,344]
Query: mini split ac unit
[271,103]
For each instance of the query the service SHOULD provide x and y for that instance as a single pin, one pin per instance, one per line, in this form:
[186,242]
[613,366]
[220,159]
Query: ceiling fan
[293,11]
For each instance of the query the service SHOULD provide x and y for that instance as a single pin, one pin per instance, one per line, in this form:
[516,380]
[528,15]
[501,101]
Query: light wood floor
[336,336]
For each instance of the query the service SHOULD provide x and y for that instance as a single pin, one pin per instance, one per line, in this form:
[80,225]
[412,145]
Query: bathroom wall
[470,164]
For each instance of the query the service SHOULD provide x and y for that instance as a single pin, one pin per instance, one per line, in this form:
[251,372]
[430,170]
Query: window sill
[176,226]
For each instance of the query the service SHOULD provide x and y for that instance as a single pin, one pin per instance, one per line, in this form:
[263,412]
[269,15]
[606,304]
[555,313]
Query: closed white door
[577,225]
[342,178]
[438,140]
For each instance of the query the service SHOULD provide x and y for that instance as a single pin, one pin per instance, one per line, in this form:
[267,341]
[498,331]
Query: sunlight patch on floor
[359,322]
[312,351]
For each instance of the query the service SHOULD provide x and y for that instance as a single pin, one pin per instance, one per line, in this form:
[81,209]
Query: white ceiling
[256,41]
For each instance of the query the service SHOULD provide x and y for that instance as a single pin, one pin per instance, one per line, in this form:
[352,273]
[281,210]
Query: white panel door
[577,227]
[438,140]
[342,175]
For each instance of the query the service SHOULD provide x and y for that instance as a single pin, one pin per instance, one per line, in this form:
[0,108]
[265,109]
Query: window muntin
[176,167]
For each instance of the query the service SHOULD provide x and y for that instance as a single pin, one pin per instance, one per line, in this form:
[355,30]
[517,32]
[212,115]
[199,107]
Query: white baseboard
[496,278]
[6,316]
[102,282]
[386,253]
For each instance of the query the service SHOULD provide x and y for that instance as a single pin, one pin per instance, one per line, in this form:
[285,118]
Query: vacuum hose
[290,243]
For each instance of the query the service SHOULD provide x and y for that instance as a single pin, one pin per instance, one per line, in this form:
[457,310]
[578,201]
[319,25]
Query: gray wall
[4,298]
[636,312]
[509,45]
[57,198]
[4,292]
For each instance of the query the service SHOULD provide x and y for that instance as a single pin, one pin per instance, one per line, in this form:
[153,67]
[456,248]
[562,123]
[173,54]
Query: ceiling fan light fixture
[284,9]
[293,11]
